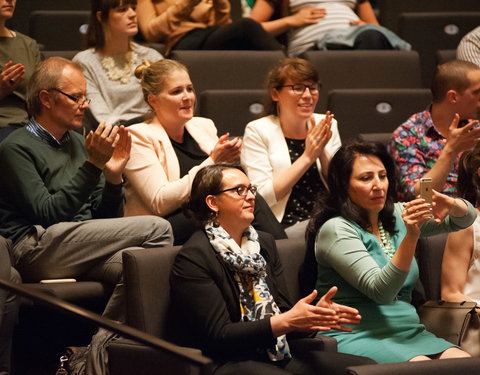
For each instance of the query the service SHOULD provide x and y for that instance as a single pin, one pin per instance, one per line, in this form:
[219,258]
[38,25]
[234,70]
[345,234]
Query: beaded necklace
[386,241]
[120,67]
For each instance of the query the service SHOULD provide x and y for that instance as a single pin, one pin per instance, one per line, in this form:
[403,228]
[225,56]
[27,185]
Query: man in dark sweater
[61,197]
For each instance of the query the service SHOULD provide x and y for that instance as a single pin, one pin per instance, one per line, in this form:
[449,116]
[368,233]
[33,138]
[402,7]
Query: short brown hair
[296,69]
[45,77]
[451,75]
[207,181]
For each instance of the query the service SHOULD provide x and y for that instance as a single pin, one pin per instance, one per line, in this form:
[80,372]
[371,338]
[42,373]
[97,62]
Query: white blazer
[265,154]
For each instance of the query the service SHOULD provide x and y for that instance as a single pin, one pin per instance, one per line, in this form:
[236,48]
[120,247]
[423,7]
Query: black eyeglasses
[241,190]
[80,100]
[299,88]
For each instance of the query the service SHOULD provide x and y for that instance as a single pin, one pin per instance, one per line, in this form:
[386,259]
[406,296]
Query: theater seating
[62,30]
[374,110]
[391,10]
[233,70]
[146,274]
[429,32]
[231,110]
[364,70]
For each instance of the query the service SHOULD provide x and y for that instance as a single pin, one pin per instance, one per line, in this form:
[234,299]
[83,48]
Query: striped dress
[339,13]
[469,47]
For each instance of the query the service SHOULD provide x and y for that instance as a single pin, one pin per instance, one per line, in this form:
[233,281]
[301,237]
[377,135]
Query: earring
[215,222]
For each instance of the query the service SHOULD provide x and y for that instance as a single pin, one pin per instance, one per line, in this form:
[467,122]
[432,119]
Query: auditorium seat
[220,70]
[59,29]
[390,10]
[231,110]
[429,32]
[444,55]
[364,69]
[374,110]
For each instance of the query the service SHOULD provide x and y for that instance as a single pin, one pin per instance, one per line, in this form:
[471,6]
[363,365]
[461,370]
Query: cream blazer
[153,185]
[265,154]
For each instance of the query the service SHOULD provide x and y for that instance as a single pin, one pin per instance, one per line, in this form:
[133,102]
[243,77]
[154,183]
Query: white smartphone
[426,189]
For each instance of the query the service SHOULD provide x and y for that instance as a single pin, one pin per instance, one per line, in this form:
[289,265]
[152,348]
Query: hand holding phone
[426,189]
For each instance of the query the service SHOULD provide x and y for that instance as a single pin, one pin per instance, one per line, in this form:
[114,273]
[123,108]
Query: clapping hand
[121,154]
[11,77]
[226,150]
[345,314]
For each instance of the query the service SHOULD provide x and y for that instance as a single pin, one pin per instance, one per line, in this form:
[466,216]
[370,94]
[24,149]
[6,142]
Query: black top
[189,153]
[301,200]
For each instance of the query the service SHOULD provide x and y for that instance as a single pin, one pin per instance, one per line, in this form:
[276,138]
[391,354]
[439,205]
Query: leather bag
[457,322]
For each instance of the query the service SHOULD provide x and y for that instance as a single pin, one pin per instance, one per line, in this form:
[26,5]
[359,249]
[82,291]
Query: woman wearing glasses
[171,146]
[286,154]
[110,62]
[229,296]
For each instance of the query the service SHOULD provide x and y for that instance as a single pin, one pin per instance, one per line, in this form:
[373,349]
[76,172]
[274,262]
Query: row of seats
[427,32]
[146,276]
[368,91]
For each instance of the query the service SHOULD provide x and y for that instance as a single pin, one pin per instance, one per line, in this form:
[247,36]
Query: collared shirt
[34,127]
[416,146]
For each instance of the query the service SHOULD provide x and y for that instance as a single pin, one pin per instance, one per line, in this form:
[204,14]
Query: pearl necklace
[386,241]
[120,67]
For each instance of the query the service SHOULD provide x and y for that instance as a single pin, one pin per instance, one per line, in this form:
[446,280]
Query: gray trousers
[89,250]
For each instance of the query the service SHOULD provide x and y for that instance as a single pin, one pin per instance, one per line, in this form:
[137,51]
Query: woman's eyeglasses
[241,190]
[299,88]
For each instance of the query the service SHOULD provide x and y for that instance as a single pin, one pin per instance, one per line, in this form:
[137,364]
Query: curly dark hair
[336,201]
[468,183]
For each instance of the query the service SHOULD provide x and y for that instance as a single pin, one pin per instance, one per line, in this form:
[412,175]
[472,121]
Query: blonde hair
[152,76]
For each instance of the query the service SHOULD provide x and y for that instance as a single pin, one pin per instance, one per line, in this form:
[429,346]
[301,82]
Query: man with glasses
[61,197]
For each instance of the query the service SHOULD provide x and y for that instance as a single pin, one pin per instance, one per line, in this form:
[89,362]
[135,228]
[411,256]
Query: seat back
[364,69]
[429,255]
[374,110]
[23,9]
[390,10]
[231,110]
[444,30]
[219,70]
[299,267]
[147,281]
[444,55]
[61,30]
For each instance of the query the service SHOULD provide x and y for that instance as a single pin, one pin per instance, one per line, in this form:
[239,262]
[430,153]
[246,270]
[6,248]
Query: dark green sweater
[44,185]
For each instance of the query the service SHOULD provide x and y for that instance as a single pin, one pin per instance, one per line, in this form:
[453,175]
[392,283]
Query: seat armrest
[126,357]
[464,366]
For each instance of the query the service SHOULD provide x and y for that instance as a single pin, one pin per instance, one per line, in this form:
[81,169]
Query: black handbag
[457,322]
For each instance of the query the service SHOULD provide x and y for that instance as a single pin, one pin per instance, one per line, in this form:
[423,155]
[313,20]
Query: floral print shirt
[415,146]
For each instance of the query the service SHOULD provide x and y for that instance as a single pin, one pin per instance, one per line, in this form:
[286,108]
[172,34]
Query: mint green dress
[353,260]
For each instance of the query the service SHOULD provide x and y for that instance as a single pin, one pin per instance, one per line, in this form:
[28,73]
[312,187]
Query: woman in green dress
[365,243]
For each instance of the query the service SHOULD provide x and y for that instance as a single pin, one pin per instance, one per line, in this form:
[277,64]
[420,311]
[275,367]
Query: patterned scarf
[256,301]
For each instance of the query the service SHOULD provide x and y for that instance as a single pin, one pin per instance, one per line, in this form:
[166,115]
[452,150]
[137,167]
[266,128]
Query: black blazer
[205,302]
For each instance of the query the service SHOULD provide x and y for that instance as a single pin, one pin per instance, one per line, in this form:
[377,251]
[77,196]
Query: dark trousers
[244,34]
[305,361]
[367,40]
